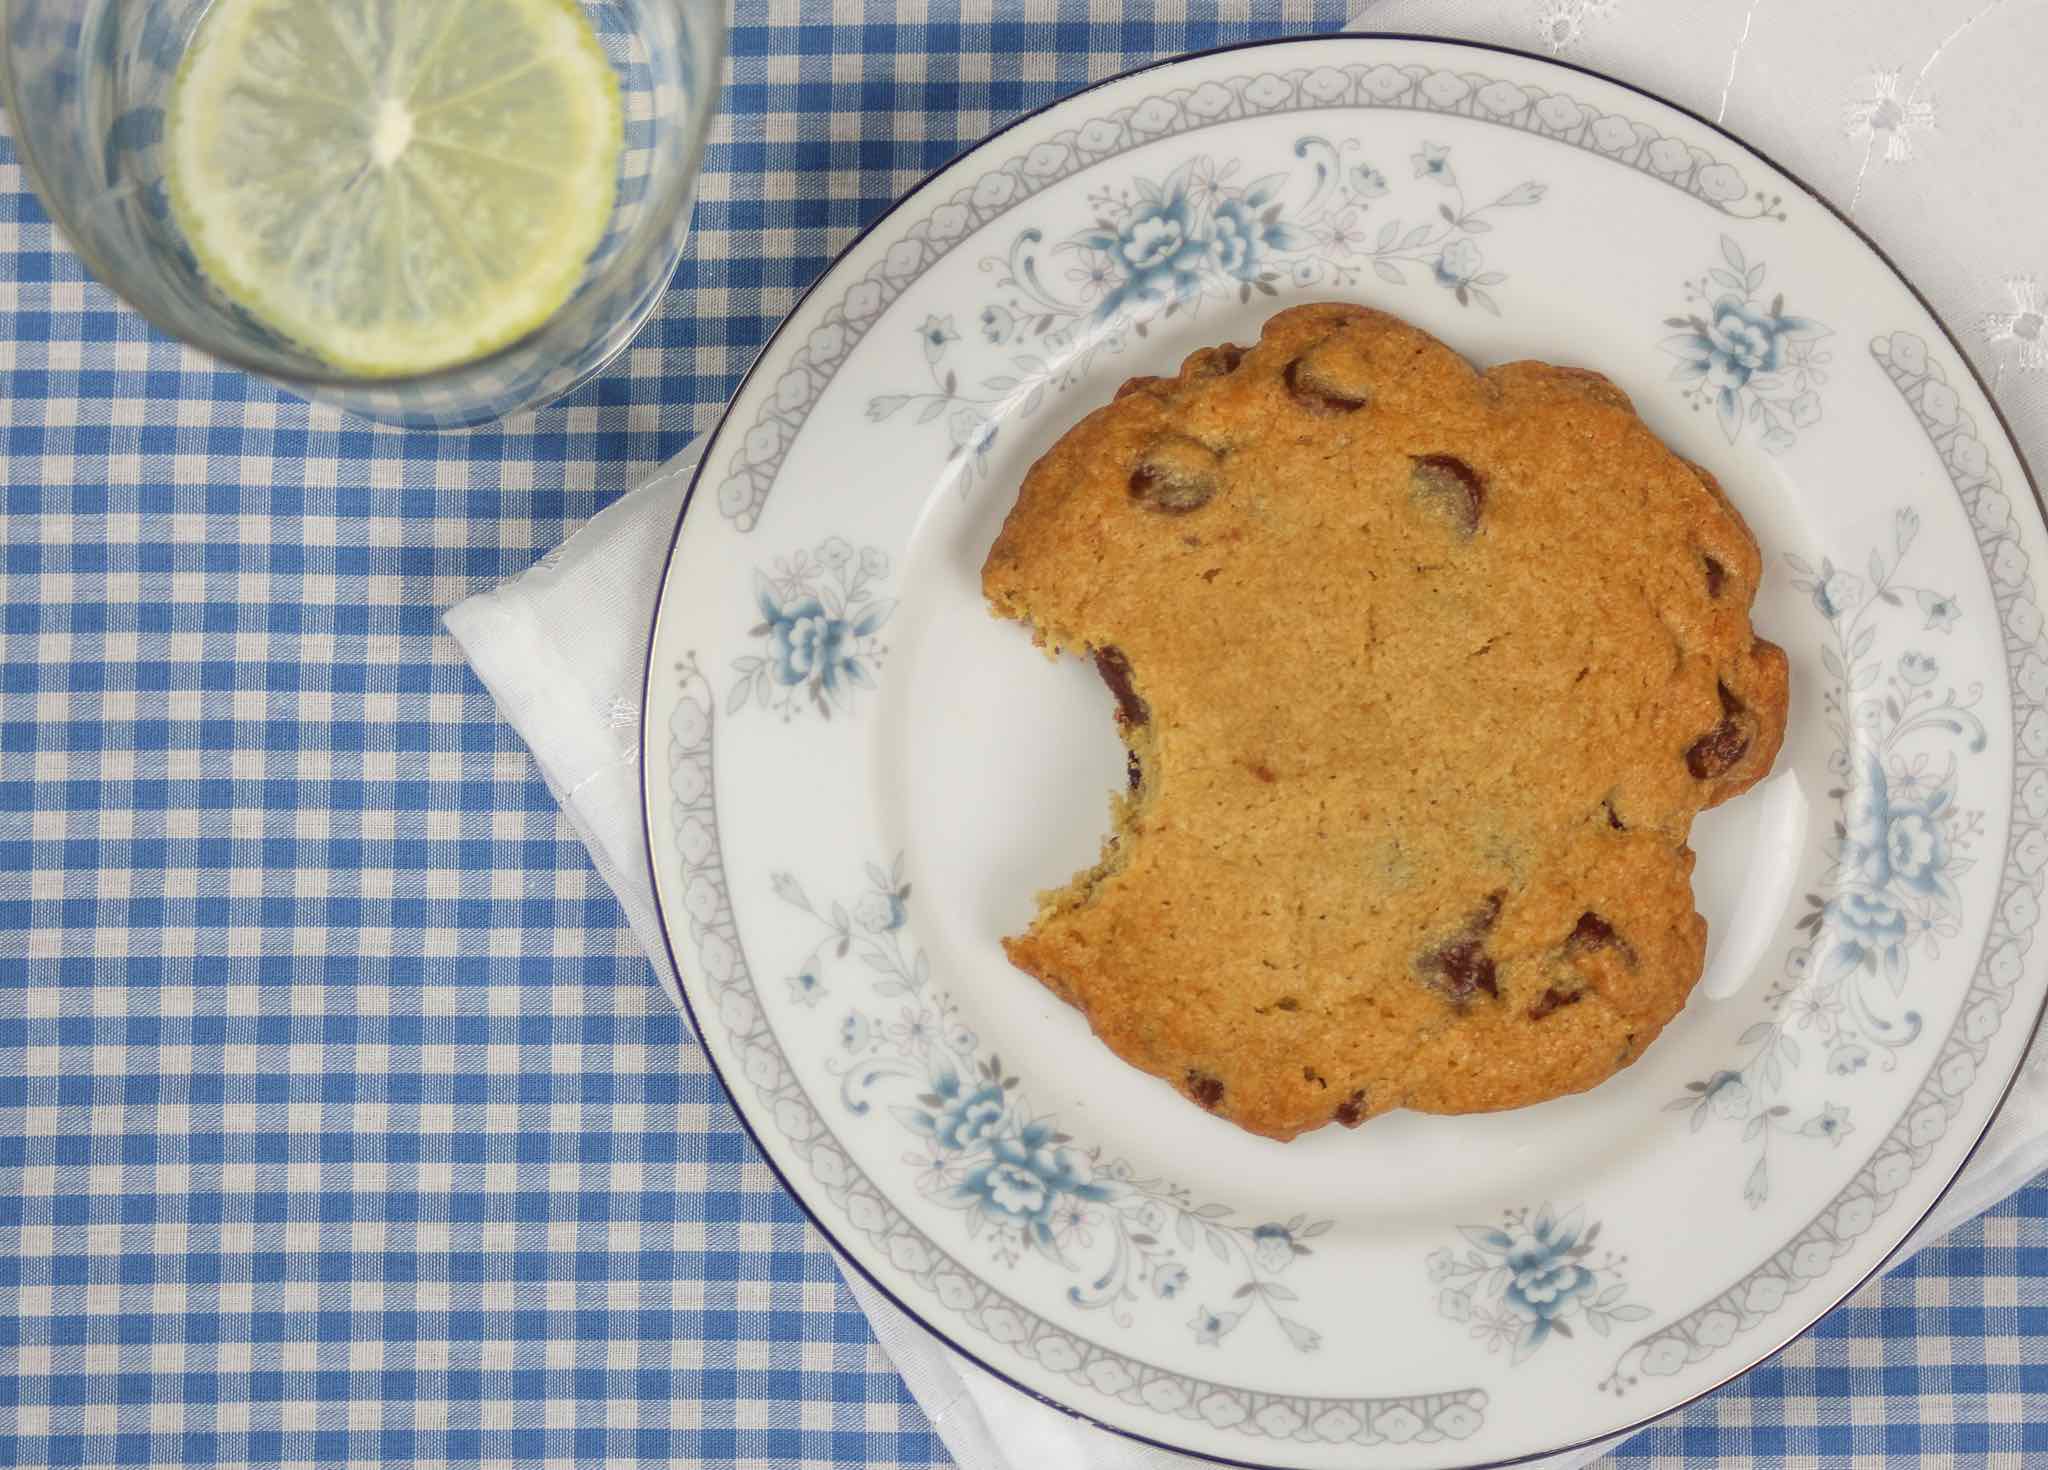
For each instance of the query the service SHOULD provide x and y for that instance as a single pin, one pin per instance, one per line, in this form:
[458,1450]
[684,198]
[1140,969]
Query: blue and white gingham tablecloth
[340,1122]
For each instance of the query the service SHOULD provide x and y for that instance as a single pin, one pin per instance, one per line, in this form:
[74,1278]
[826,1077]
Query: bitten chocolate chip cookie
[1424,674]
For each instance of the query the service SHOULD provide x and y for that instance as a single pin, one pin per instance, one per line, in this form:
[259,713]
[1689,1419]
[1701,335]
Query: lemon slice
[395,187]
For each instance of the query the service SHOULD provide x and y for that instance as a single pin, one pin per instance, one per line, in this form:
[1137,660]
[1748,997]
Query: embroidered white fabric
[1917,128]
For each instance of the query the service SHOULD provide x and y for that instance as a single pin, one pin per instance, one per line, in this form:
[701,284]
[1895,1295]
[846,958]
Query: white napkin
[562,649]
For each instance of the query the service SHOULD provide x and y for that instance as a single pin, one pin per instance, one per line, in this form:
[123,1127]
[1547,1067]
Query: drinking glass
[86,82]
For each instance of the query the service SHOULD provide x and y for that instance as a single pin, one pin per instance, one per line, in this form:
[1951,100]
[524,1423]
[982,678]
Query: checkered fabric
[340,1123]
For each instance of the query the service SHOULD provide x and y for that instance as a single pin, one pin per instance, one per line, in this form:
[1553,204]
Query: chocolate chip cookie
[1424,673]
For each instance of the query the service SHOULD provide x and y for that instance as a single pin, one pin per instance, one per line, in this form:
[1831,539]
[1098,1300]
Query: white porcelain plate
[857,779]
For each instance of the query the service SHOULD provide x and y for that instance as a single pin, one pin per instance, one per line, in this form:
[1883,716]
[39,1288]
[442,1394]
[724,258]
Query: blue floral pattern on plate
[1205,232]
[1740,353]
[820,612]
[1530,1278]
[1900,842]
[1155,1376]
[1021,1184]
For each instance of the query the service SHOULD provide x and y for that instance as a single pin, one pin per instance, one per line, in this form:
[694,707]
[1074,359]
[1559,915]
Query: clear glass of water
[86,84]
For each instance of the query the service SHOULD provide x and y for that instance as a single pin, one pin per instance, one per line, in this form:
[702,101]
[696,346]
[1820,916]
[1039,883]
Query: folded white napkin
[562,650]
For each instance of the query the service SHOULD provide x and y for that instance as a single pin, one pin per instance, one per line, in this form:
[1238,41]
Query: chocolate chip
[1555,1000]
[1165,491]
[1215,362]
[1133,770]
[1286,1003]
[1115,669]
[1716,575]
[1591,932]
[1175,474]
[1316,396]
[1716,753]
[1208,1090]
[1460,969]
[1310,1074]
[1613,818]
[1450,487]
[1351,1111]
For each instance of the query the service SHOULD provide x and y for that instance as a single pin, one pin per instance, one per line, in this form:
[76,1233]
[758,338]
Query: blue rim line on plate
[712,443]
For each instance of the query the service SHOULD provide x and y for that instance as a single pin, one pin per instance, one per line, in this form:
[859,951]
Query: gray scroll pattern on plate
[1836,1228]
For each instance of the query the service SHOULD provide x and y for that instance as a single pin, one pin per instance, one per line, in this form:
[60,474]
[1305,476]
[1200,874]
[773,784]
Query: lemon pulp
[395,185]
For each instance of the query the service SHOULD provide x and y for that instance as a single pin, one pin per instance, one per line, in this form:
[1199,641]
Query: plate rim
[712,442]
